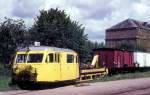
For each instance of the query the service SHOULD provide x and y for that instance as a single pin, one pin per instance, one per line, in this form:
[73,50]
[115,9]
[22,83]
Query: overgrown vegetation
[4,78]
[12,35]
[134,75]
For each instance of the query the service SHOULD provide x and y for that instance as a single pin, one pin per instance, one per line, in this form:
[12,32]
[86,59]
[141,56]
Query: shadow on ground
[39,86]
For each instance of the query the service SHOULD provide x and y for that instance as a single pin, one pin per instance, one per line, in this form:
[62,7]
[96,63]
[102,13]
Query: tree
[12,36]
[55,28]
[89,49]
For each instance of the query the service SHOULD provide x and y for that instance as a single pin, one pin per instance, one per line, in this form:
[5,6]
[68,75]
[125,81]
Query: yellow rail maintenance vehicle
[40,64]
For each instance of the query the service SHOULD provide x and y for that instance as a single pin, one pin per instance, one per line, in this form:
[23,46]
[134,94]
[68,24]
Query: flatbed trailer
[90,74]
[93,71]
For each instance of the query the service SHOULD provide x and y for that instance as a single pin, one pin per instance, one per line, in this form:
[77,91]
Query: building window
[70,58]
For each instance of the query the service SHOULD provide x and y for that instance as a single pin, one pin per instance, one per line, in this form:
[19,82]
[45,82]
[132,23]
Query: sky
[95,15]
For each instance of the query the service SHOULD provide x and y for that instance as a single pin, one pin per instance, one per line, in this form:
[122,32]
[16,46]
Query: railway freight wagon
[142,59]
[115,60]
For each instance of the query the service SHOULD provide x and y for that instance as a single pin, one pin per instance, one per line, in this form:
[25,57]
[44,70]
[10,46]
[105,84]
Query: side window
[35,58]
[57,57]
[70,58]
[50,58]
[77,60]
[53,58]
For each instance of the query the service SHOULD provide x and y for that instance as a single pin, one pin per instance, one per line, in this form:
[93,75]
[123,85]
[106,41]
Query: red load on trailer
[114,59]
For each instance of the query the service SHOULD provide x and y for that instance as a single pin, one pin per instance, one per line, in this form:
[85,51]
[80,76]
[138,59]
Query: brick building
[129,31]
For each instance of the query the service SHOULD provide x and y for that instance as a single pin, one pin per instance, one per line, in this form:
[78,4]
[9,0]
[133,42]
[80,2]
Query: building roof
[130,23]
[46,48]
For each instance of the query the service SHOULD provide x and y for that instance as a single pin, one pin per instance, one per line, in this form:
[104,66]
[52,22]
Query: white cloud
[141,8]
[5,8]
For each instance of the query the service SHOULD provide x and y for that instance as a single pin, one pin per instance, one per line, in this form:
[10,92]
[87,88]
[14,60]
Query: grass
[4,78]
[4,83]
[123,76]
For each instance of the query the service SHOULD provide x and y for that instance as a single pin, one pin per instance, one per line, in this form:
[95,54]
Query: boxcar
[115,59]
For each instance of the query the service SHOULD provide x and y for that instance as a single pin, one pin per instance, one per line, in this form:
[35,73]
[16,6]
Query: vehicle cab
[45,64]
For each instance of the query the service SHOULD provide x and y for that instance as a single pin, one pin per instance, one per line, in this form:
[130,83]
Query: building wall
[136,36]
[115,38]
[121,34]
[144,39]
[118,43]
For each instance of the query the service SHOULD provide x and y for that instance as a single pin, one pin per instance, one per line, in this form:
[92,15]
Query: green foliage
[55,28]
[89,46]
[12,36]
[4,77]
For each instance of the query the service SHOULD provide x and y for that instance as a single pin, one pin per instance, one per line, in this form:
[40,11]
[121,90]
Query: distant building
[129,31]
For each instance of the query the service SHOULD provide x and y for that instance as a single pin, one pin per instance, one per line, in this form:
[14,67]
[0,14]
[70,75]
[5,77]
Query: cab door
[53,61]
[69,68]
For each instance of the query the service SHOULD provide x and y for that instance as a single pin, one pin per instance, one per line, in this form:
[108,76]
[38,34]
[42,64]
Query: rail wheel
[26,85]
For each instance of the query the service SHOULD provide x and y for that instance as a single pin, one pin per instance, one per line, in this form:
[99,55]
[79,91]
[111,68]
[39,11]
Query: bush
[5,76]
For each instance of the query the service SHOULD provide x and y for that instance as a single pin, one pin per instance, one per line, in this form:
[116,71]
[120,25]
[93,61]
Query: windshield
[21,58]
[35,58]
[32,58]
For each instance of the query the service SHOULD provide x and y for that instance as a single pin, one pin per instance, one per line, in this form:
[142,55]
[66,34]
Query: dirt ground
[122,87]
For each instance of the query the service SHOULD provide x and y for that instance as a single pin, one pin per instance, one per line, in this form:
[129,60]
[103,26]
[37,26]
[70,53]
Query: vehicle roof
[111,49]
[46,48]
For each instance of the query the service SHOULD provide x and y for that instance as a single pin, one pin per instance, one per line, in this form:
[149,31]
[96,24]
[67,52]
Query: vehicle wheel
[22,85]
[25,85]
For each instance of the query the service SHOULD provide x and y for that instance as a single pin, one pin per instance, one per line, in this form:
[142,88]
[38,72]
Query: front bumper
[24,76]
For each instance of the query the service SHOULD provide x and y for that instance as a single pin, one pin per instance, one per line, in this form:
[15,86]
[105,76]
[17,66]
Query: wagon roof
[46,48]
[110,49]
